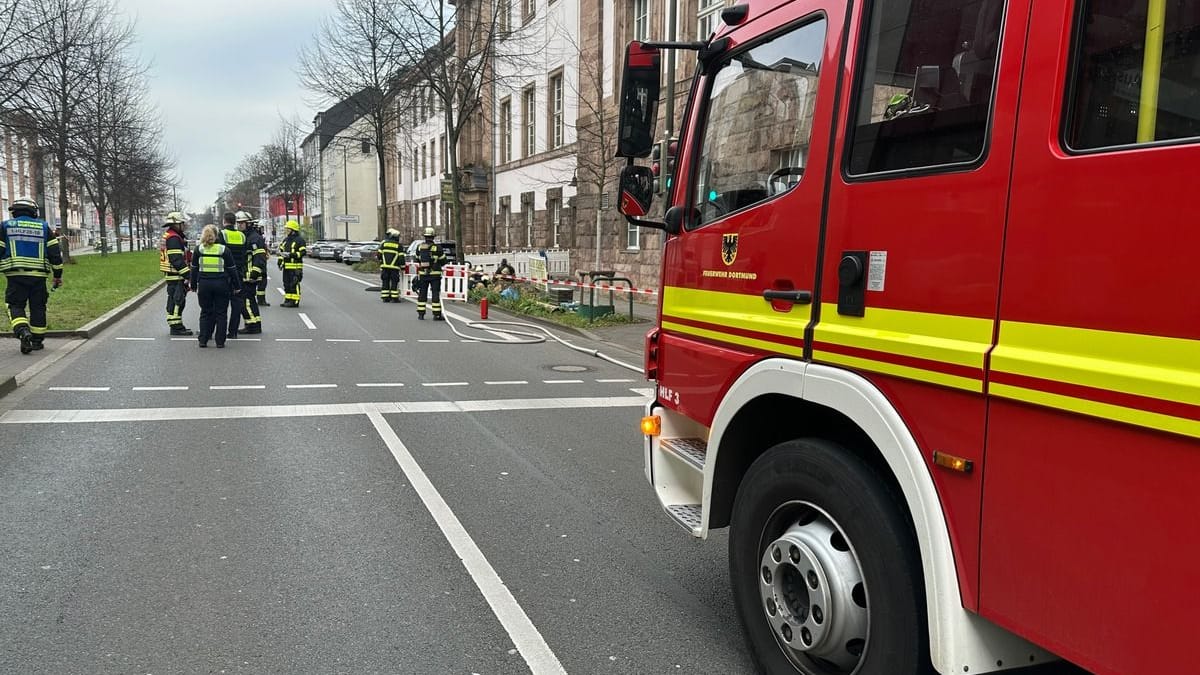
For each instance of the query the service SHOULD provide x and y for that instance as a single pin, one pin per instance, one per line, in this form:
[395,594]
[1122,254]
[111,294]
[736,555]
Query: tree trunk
[381,225]
[64,213]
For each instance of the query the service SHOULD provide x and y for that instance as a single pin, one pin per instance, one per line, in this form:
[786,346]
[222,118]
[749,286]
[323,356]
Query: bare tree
[459,51]
[356,59]
[596,133]
[23,55]
[84,36]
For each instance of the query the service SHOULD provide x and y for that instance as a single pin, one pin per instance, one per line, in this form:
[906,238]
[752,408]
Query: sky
[223,75]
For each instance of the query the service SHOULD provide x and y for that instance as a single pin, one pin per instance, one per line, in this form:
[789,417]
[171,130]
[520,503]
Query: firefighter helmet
[243,217]
[174,218]
[24,206]
[292,225]
[429,232]
[393,232]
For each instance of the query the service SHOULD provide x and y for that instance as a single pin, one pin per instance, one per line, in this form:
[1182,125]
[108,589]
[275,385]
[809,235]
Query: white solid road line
[307,321]
[445,384]
[380,384]
[89,416]
[236,387]
[525,636]
[77,388]
[160,388]
[312,386]
[506,382]
[136,339]
[562,381]
[616,381]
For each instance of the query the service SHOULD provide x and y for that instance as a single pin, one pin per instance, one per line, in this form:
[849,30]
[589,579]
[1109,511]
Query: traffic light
[672,150]
[656,166]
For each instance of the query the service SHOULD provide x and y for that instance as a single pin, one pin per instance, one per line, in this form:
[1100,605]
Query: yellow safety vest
[212,259]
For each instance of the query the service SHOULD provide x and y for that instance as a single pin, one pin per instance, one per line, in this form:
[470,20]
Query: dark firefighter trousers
[390,288]
[244,307]
[424,283]
[291,285]
[261,291]
[176,299]
[27,290]
[215,300]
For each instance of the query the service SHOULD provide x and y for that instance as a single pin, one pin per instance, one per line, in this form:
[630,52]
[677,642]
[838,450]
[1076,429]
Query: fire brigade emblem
[729,248]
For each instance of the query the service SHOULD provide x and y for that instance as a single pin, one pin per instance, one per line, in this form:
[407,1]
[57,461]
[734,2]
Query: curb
[90,330]
[94,326]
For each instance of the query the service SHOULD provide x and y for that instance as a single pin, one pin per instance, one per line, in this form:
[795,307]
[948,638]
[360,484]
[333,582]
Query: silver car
[359,251]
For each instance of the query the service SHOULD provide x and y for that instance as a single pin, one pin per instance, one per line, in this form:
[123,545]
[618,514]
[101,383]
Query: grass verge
[532,302]
[94,284]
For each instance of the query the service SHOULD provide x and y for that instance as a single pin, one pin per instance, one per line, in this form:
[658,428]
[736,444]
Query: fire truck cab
[929,334]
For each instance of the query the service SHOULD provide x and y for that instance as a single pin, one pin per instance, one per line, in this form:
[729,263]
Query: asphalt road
[355,491]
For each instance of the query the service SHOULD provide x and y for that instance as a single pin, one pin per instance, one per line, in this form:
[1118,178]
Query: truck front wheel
[825,571]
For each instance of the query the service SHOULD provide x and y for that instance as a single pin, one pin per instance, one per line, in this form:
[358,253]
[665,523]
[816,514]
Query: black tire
[869,515]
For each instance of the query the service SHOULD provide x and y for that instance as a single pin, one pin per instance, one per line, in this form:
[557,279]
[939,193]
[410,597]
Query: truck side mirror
[640,86]
[637,191]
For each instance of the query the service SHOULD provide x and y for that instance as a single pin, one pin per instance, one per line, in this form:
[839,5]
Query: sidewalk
[629,337]
[16,368]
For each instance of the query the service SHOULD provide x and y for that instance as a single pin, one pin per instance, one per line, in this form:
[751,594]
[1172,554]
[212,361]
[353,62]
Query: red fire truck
[929,337]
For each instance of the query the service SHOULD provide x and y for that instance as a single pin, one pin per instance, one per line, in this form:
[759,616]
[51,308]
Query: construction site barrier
[454,281]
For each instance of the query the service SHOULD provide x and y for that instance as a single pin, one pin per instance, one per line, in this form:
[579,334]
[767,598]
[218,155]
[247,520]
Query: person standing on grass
[28,254]
[216,279]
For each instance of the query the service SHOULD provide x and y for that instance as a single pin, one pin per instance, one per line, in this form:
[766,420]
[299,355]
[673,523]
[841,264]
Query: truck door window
[760,113]
[1110,103]
[925,80]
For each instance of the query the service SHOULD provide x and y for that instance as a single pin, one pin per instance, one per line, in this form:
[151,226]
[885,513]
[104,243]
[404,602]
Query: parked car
[314,249]
[450,247]
[336,248]
[360,251]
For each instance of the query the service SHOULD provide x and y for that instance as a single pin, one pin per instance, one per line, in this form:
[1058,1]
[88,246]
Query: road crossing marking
[236,387]
[444,384]
[494,382]
[380,384]
[307,321]
[562,381]
[160,388]
[525,636]
[90,416]
[77,388]
[312,386]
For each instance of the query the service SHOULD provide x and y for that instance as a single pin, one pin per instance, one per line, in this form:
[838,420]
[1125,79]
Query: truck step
[687,515]
[691,450]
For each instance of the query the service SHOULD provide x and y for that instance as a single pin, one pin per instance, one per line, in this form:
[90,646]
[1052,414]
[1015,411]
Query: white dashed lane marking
[616,381]
[236,387]
[293,339]
[433,341]
[137,339]
[78,388]
[562,381]
[380,384]
[160,388]
[493,382]
[384,342]
[340,340]
[312,386]
[445,384]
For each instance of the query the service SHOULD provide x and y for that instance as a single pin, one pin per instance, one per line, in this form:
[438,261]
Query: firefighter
[215,277]
[256,272]
[291,261]
[235,240]
[173,263]
[260,294]
[430,258]
[28,254]
[391,261]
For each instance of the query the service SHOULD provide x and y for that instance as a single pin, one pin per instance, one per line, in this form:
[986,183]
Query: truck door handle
[795,297]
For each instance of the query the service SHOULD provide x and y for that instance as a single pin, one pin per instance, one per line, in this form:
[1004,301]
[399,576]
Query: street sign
[447,191]
[346,218]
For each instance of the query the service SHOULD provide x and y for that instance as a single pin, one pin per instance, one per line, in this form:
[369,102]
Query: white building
[535,108]
[347,184]
[423,163]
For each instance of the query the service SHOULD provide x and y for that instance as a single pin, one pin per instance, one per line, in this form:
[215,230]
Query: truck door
[738,279]
[912,249]
[1090,531]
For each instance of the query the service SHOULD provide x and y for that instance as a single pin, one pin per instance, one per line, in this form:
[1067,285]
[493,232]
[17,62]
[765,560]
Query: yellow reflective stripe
[174,251]
[1145,365]
[906,372]
[958,340]
[734,310]
[1143,418]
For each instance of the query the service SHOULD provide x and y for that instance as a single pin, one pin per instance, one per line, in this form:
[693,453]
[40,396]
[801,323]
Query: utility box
[562,296]
[595,311]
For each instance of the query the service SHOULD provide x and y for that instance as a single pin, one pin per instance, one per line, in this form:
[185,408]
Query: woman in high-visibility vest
[215,278]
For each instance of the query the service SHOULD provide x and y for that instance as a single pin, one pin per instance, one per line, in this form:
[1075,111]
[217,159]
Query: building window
[433,157]
[554,213]
[641,20]
[506,219]
[504,16]
[556,110]
[506,130]
[708,18]
[528,8]
[527,108]
[633,237]
[924,93]
[529,226]
[445,154]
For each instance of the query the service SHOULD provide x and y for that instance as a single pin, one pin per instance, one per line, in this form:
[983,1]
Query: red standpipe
[483,309]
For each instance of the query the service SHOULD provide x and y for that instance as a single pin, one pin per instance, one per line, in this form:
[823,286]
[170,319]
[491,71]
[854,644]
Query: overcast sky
[223,73]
